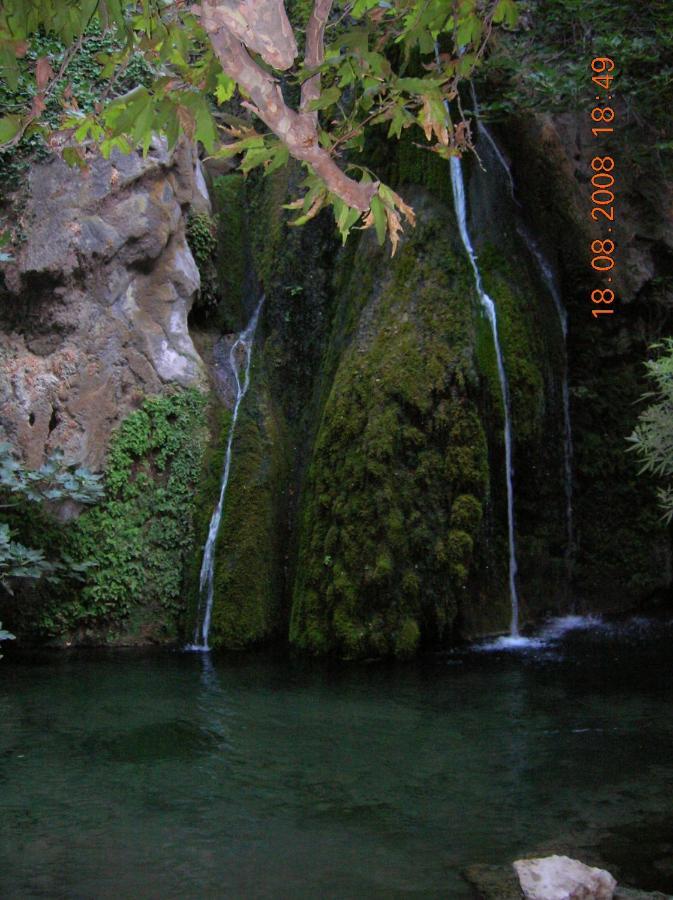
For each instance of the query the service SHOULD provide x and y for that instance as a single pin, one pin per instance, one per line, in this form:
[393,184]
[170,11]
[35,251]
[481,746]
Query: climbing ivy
[84,87]
[142,534]
[202,240]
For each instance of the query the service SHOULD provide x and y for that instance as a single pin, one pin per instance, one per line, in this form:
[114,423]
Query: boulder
[562,878]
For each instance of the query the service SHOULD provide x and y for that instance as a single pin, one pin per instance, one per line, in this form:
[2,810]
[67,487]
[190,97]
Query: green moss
[416,165]
[141,535]
[248,554]
[399,441]
[522,346]
[466,513]
[266,197]
[229,200]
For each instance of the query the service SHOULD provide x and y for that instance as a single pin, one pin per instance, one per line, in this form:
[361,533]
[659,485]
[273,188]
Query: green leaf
[400,120]
[225,89]
[346,216]
[417,85]
[121,115]
[142,130]
[9,128]
[281,156]
[505,12]
[205,125]
[469,31]
[380,220]
[362,6]
[327,98]
[73,156]
[255,157]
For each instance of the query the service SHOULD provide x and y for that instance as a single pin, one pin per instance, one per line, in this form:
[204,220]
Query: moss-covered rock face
[623,549]
[249,549]
[393,500]
[232,258]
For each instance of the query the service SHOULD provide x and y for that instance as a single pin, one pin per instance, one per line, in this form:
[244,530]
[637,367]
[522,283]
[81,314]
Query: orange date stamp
[603,184]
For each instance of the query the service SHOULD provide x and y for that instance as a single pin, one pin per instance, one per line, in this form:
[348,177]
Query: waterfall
[549,279]
[489,137]
[489,307]
[202,626]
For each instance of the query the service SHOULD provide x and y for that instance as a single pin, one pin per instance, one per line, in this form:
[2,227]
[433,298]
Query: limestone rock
[562,878]
[94,311]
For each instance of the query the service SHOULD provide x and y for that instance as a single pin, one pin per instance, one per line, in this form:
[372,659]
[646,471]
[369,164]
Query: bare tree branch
[262,25]
[297,130]
[315,52]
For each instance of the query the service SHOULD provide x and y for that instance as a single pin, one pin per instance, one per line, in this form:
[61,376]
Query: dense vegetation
[544,65]
[44,488]
[85,87]
[652,438]
[353,72]
[142,534]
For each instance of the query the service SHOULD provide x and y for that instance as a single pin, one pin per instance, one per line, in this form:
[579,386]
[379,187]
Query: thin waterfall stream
[549,279]
[488,305]
[245,340]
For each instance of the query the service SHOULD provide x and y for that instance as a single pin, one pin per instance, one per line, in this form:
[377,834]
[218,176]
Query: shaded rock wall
[623,548]
[93,314]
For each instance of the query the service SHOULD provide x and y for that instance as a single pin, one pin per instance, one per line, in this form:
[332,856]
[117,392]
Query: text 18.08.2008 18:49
[602,182]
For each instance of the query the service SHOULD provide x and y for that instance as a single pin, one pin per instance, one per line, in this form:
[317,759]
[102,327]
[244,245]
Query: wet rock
[562,878]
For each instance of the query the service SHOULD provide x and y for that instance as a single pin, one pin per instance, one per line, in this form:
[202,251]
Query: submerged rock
[562,878]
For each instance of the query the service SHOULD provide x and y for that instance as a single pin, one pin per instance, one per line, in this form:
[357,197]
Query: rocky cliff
[623,550]
[94,309]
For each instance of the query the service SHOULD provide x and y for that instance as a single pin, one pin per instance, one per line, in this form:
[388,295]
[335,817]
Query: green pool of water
[180,775]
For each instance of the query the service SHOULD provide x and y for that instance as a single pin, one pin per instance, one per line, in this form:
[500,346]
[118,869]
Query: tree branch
[262,25]
[315,53]
[298,131]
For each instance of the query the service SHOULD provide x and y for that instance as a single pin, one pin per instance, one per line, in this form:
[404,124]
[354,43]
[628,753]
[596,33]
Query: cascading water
[489,137]
[549,279]
[489,307]
[245,340]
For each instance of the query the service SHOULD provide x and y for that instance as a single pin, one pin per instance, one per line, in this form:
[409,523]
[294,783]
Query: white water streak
[549,279]
[489,307]
[206,581]
[489,137]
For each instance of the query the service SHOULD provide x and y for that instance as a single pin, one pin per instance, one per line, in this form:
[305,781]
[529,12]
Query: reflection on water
[182,775]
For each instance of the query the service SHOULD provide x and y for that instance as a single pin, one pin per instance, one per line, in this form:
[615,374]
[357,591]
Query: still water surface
[177,775]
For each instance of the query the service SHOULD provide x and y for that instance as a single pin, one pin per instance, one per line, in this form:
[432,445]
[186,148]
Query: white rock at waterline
[562,878]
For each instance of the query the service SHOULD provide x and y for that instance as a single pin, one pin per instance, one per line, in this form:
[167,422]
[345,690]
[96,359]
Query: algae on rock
[381,563]
[249,548]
